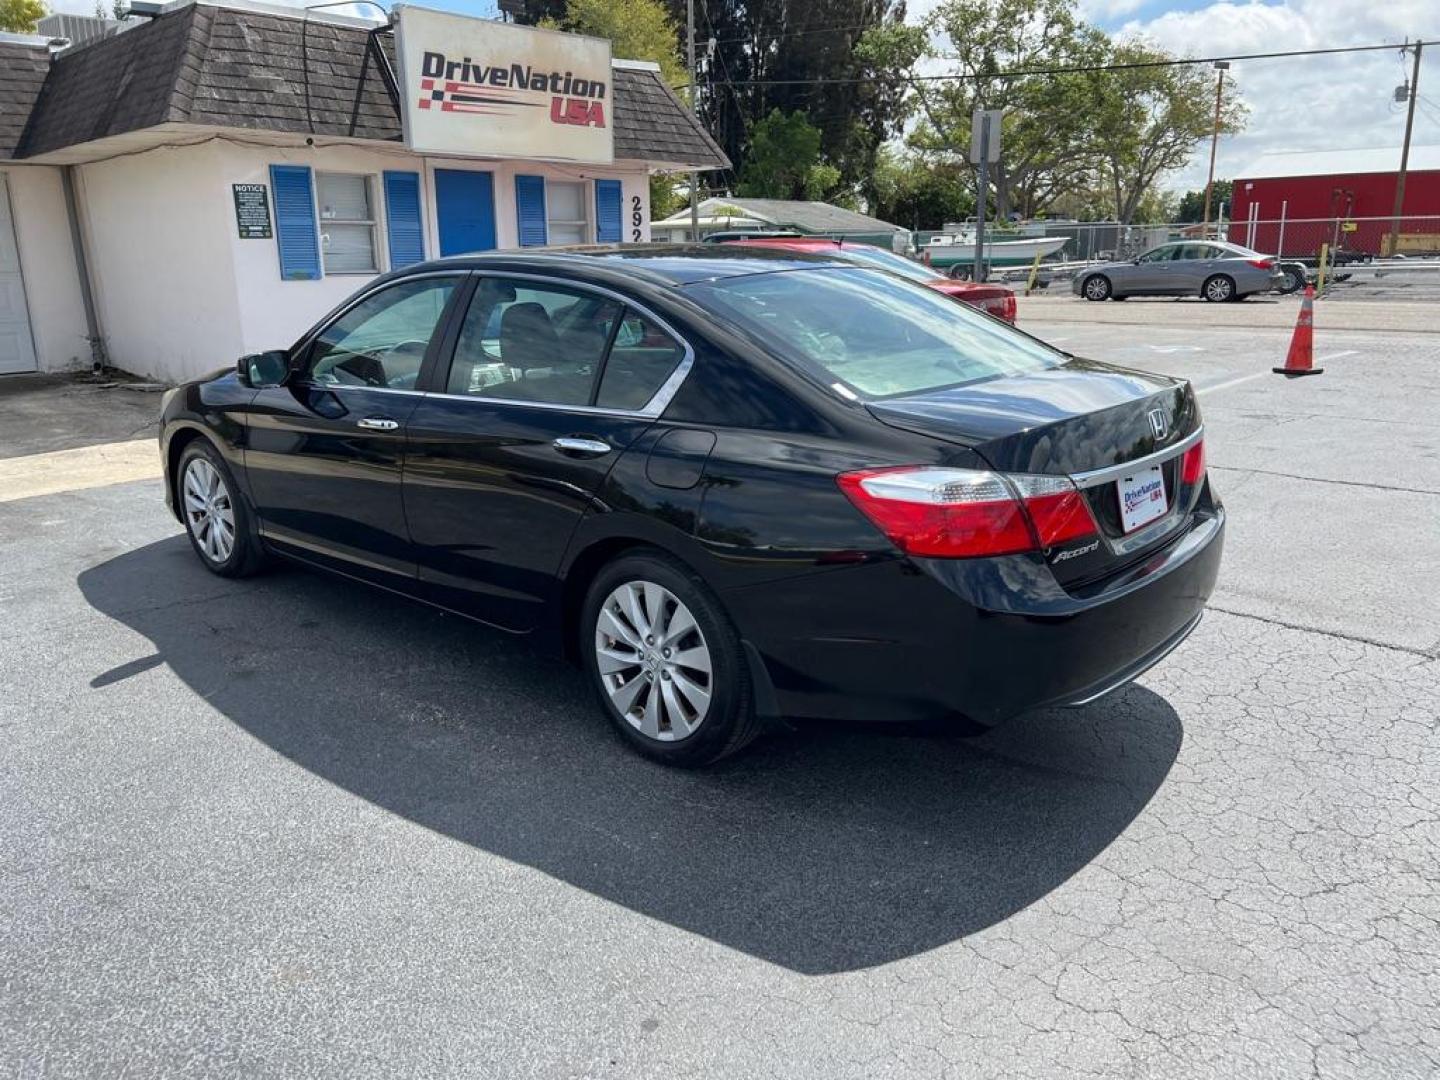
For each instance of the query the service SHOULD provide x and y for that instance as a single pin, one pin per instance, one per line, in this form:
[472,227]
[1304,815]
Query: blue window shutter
[295,231]
[608,204]
[530,210]
[402,219]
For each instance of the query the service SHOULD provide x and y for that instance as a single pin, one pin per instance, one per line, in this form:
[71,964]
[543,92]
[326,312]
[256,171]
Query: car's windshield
[888,260]
[869,334]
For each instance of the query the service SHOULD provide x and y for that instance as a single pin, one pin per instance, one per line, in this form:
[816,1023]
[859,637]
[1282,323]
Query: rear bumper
[975,640]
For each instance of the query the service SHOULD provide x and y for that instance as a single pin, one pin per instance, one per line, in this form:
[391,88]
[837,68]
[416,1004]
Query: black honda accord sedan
[732,484]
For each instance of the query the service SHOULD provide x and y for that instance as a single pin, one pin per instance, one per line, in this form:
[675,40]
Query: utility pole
[694,176]
[1405,152]
[1221,66]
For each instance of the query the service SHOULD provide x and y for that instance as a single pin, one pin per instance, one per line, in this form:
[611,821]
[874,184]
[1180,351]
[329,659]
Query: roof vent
[80,29]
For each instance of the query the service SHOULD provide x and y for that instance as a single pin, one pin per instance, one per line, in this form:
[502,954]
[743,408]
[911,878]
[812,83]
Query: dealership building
[210,181]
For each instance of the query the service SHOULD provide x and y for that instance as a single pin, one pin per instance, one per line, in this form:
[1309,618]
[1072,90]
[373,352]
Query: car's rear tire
[1218,289]
[649,630]
[217,519]
[1295,278]
[1096,287]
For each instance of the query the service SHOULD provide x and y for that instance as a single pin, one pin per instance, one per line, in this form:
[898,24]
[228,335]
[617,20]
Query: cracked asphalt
[291,827]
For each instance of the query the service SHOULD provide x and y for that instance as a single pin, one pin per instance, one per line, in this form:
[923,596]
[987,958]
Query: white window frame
[587,206]
[379,257]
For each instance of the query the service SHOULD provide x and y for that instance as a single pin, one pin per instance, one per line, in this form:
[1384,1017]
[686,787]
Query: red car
[994,300]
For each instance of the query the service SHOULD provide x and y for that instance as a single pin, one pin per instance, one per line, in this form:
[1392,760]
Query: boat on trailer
[957,247]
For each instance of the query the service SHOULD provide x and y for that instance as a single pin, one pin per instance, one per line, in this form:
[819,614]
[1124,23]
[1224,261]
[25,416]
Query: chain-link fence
[1346,240]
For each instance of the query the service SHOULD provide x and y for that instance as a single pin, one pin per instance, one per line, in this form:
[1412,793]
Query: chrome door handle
[573,444]
[378,423]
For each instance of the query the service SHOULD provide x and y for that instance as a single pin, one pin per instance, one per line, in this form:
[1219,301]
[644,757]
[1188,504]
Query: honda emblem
[1158,423]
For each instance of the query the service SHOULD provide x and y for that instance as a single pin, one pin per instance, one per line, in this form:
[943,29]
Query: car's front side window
[381,341]
[523,341]
[1160,254]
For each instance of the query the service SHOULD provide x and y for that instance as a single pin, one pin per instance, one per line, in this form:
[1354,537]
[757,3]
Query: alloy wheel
[209,512]
[1097,288]
[1218,289]
[653,661]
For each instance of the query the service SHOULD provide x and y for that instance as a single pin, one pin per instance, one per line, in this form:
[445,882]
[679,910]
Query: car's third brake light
[963,513]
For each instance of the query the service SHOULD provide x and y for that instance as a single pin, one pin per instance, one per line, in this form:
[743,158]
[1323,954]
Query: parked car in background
[996,300]
[1213,269]
[731,483]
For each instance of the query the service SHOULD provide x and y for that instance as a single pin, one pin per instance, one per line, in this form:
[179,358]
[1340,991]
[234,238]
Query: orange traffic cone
[1301,358]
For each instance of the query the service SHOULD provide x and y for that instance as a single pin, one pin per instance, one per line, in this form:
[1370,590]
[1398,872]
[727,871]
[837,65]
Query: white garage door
[17,347]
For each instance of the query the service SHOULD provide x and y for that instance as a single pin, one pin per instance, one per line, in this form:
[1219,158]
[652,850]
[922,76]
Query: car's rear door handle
[581,446]
[378,423]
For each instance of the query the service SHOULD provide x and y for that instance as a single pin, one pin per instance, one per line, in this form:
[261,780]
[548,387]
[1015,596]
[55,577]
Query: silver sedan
[1213,269]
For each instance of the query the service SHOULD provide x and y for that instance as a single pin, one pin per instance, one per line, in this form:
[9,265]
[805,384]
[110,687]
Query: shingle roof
[1380,159]
[22,72]
[228,67]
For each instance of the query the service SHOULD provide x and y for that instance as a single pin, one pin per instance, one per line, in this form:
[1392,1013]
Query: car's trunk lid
[1073,420]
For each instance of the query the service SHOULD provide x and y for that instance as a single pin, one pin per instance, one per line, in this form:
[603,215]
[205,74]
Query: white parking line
[1335,356]
[1230,382]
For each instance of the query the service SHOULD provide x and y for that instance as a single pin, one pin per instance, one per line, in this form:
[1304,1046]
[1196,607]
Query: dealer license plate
[1142,498]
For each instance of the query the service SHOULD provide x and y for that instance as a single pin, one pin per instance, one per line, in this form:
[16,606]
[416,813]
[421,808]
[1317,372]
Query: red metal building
[1343,198]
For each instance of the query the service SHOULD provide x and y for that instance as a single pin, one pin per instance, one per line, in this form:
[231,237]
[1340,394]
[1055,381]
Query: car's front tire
[217,520]
[1096,287]
[666,661]
[1218,289]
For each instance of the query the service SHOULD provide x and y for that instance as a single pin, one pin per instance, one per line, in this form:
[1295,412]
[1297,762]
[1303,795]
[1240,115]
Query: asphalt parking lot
[291,827]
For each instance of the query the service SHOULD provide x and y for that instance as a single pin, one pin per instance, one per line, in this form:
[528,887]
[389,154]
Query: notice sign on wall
[252,211]
[477,88]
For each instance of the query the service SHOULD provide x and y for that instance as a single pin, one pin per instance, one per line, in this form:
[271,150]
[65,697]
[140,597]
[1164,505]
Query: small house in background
[727,213]
[213,178]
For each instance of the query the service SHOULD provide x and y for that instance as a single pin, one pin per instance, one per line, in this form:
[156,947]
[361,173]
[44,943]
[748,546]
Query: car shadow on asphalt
[818,850]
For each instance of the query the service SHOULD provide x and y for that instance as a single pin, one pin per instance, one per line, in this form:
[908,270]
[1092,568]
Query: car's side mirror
[265,369]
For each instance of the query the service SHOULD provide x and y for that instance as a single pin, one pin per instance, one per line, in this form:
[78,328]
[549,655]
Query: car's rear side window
[869,334]
[522,341]
[642,356]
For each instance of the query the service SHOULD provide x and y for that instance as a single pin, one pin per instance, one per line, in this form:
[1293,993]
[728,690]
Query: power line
[1027,72]
[804,33]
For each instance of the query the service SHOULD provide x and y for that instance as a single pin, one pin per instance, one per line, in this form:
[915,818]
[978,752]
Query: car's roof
[656,264]
[794,243]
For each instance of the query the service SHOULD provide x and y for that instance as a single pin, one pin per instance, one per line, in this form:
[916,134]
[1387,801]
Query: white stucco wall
[158,227]
[47,262]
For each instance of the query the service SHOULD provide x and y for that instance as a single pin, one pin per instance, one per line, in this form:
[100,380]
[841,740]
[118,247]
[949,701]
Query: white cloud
[1335,102]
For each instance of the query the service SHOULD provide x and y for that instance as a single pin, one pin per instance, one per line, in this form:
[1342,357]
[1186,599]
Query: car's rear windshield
[868,334]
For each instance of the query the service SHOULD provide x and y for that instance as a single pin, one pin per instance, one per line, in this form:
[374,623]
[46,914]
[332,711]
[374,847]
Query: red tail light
[963,513]
[1002,307]
[1192,465]
[1263,263]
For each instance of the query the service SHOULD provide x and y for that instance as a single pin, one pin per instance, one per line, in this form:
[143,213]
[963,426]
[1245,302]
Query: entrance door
[17,347]
[465,210]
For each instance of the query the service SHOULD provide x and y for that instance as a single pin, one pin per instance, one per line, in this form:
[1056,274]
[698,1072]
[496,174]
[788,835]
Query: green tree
[908,190]
[1150,120]
[784,148]
[1192,204]
[637,29]
[20,16]
[756,56]
[1044,136]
